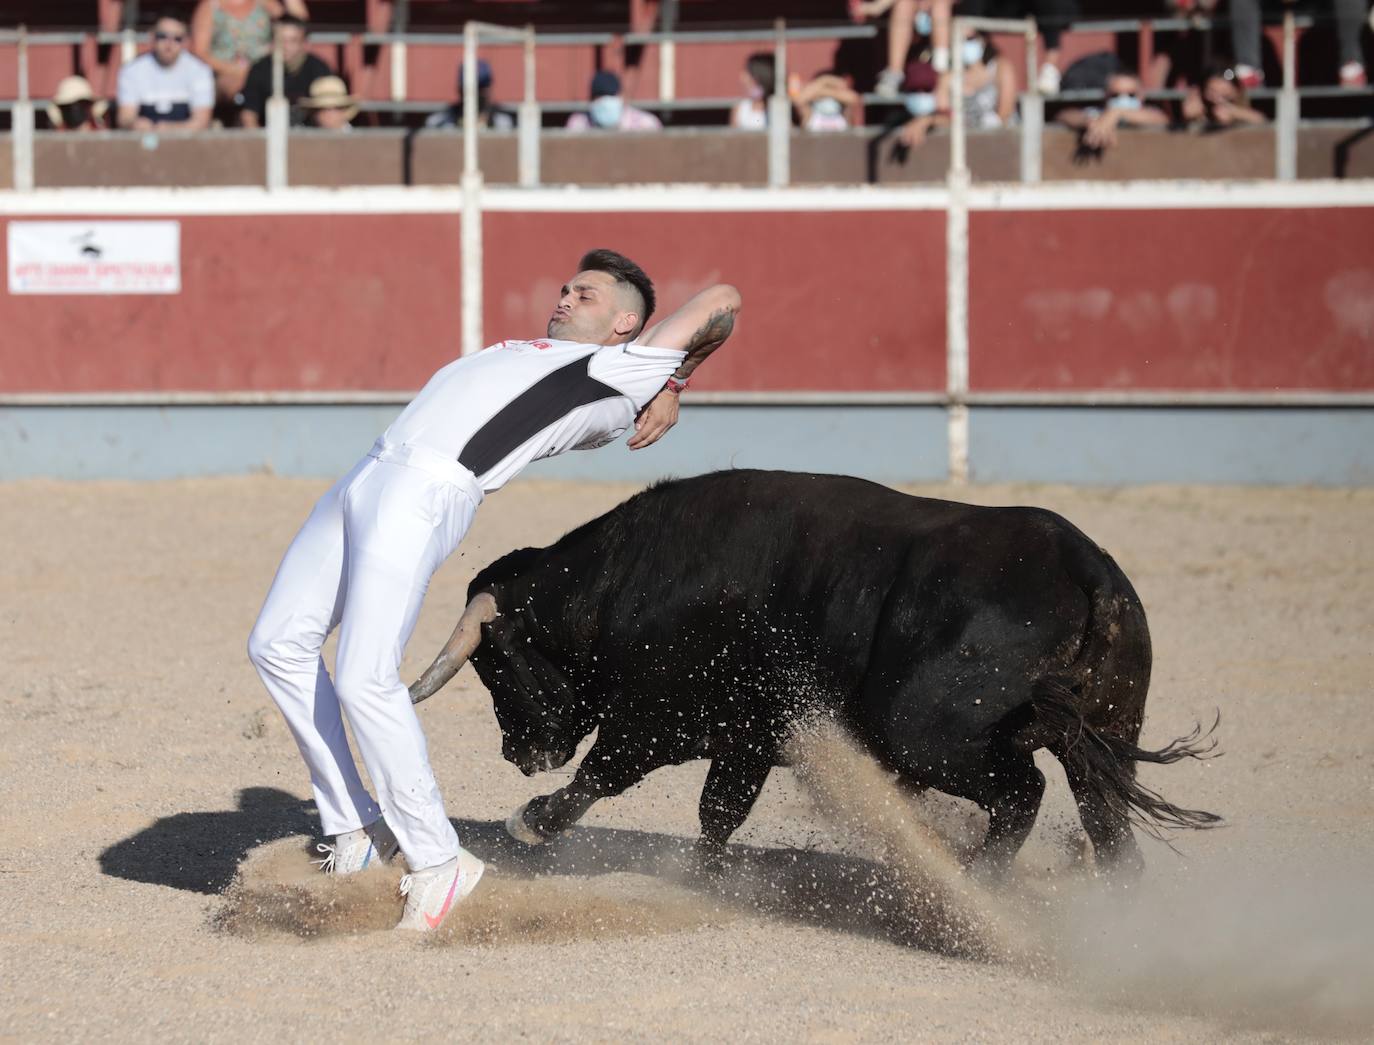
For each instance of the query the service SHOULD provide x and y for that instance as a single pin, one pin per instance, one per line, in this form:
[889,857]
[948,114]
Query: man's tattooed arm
[709,337]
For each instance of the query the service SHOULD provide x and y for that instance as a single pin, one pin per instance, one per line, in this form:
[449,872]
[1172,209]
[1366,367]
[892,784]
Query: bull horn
[458,649]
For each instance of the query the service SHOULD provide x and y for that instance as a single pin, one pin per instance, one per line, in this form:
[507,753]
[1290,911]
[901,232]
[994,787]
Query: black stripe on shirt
[548,400]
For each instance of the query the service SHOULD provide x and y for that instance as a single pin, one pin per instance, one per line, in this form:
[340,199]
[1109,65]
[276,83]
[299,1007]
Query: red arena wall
[847,301]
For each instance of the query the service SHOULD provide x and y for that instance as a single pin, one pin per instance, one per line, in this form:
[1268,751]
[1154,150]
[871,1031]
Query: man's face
[594,309]
[292,42]
[169,37]
[1123,85]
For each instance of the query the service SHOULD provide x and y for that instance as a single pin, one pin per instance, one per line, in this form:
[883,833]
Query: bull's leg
[732,786]
[1114,846]
[612,765]
[1012,801]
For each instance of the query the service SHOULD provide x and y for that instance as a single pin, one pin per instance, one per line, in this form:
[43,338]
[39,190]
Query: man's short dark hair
[299,23]
[622,270]
[171,14]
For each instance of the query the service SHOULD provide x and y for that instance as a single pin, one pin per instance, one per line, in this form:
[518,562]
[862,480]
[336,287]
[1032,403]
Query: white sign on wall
[94,257]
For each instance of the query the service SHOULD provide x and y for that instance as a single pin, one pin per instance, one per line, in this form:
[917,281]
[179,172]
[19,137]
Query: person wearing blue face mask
[827,103]
[1123,107]
[989,92]
[608,111]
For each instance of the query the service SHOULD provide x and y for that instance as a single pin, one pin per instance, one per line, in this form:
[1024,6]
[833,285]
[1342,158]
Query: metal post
[128,46]
[21,122]
[1286,107]
[779,115]
[667,71]
[530,120]
[278,125]
[471,246]
[956,270]
[1032,112]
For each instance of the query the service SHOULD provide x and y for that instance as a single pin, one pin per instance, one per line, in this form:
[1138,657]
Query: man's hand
[654,420]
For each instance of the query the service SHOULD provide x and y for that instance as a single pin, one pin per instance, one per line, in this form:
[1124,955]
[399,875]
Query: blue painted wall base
[1325,446]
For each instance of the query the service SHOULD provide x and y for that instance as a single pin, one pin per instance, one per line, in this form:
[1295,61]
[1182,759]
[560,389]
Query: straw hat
[330,92]
[73,89]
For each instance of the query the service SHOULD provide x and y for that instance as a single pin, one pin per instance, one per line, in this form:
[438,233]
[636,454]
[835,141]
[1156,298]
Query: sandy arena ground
[143,768]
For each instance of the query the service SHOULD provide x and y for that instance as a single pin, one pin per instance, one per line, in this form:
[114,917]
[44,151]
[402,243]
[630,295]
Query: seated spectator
[907,20]
[1051,16]
[608,111]
[489,115]
[329,106]
[168,88]
[1220,102]
[760,77]
[827,103]
[989,92]
[299,70]
[74,106]
[1124,108]
[233,34]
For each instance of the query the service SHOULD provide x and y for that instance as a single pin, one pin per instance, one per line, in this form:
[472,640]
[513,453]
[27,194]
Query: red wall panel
[851,301]
[1174,299]
[295,302]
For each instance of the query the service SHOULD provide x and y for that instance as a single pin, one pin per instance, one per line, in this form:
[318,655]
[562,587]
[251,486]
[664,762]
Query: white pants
[362,562]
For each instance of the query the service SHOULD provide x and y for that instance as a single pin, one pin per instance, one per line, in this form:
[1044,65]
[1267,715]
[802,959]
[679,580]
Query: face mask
[973,51]
[1123,101]
[605,111]
[920,104]
[923,23]
[828,106]
[756,91]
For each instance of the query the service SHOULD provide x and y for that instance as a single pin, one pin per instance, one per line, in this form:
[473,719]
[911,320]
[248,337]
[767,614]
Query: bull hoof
[518,829]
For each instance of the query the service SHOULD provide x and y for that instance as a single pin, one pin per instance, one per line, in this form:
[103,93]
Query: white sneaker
[1048,80]
[889,83]
[430,894]
[355,851]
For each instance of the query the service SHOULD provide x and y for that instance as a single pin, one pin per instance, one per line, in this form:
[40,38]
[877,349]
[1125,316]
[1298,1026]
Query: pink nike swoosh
[448,901]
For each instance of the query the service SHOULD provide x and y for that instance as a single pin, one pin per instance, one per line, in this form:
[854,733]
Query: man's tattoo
[714,330]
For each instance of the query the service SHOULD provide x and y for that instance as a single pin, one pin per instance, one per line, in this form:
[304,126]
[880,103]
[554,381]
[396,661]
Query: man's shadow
[201,852]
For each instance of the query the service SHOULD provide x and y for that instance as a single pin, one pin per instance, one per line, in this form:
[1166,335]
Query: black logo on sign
[87,245]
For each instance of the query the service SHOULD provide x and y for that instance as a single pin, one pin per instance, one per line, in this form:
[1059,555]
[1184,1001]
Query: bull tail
[1102,766]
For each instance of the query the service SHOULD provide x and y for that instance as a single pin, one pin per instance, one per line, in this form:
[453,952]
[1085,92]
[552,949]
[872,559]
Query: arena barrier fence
[1313,352]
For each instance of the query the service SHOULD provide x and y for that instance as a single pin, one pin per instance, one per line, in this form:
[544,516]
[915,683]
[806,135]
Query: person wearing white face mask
[751,113]
[608,111]
[989,93]
[1124,108]
[827,103]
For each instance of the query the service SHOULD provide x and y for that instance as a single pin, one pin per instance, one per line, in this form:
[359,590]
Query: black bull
[710,617]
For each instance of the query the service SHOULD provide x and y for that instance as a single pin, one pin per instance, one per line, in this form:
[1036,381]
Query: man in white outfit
[363,560]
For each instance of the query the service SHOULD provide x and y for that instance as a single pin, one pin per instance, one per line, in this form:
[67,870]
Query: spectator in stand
[74,106]
[827,103]
[1051,16]
[168,88]
[329,106]
[1124,108]
[608,111]
[300,69]
[233,34]
[760,77]
[1245,41]
[989,92]
[490,116]
[1220,102]
[907,20]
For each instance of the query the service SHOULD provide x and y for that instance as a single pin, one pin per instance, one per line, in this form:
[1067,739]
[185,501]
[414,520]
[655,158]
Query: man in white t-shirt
[363,560]
[167,88]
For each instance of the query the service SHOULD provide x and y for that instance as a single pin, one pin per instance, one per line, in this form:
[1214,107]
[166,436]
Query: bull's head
[541,718]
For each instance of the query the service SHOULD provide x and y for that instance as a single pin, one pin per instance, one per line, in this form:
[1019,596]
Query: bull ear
[481,610]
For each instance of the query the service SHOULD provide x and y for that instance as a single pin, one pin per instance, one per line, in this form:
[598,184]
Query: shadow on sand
[201,852]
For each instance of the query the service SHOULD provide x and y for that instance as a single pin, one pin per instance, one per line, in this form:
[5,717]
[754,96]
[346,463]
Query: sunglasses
[168,36]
